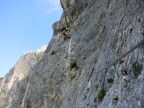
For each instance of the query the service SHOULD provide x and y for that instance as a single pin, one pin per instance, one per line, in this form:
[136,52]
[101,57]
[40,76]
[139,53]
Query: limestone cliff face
[14,85]
[86,67]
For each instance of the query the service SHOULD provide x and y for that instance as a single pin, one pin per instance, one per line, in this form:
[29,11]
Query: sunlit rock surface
[66,74]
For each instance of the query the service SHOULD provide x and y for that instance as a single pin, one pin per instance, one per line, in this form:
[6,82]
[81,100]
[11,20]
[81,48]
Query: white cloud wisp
[50,5]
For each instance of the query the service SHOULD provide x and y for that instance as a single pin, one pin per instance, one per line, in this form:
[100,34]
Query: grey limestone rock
[66,74]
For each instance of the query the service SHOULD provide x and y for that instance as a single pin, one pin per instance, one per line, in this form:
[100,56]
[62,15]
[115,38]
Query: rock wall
[14,85]
[68,75]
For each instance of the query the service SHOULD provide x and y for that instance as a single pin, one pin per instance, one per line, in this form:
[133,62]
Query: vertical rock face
[66,74]
[67,3]
[14,85]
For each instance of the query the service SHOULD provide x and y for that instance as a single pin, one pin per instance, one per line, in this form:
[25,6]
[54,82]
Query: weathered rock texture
[66,74]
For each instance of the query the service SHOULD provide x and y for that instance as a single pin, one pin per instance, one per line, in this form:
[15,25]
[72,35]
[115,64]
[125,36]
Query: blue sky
[25,25]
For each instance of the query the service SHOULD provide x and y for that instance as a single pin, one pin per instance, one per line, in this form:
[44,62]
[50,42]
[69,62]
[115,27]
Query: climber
[65,32]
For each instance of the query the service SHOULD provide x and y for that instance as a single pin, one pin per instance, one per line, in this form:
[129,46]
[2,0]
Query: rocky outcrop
[98,64]
[67,3]
[14,85]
